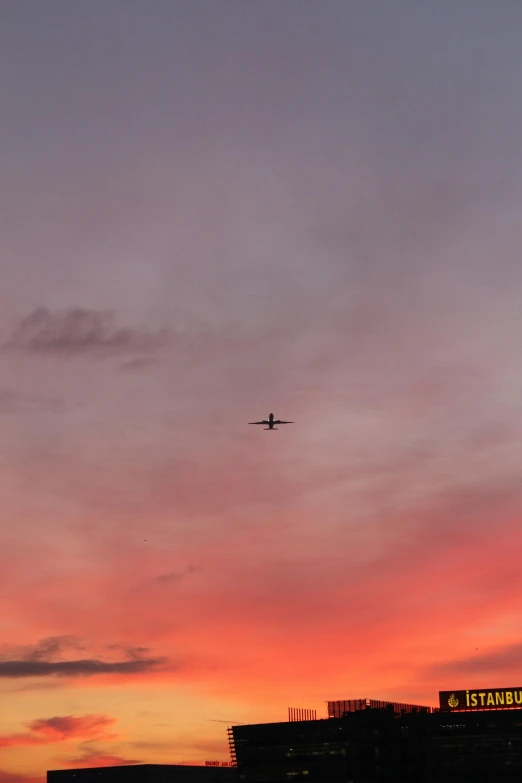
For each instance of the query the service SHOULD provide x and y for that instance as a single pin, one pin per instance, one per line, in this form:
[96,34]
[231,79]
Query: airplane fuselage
[271,422]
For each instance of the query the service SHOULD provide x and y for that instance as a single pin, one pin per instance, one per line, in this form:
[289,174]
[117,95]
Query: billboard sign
[483,699]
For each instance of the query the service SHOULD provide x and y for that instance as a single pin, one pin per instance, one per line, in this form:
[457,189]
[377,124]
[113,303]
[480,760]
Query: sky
[214,210]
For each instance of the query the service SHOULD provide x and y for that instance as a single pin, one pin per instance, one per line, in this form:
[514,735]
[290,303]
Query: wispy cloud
[13,777]
[72,725]
[45,731]
[41,661]
[92,756]
[140,363]
[80,668]
[76,331]
[503,661]
[49,648]
[175,576]
[16,402]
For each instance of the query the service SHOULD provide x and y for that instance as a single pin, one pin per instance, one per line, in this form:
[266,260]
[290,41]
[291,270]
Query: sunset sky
[214,210]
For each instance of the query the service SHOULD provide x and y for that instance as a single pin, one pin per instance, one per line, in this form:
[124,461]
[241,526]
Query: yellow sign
[498,698]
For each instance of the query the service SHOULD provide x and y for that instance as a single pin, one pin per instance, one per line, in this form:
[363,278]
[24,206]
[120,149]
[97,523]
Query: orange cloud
[46,731]
[13,777]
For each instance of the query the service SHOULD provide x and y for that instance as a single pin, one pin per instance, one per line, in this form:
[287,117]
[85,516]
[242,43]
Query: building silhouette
[145,773]
[473,737]
[366,740]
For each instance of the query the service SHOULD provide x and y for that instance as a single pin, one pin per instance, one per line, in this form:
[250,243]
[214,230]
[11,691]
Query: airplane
[271,421]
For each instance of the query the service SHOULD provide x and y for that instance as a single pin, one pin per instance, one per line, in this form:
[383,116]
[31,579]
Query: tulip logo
[453,701]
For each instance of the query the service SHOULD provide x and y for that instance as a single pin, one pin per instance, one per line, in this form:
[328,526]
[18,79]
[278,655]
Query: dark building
[397,742]
[468,747]
[474,737]
[364,745]
[145,773]
[336,709]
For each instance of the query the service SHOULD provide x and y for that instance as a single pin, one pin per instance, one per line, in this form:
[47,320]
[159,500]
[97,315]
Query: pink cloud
[14,777]
[46,731]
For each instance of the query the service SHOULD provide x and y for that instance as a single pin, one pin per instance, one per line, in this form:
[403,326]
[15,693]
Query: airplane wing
[258,422]
[283,422]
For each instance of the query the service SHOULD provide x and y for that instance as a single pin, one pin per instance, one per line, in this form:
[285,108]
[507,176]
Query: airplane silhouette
[271,421]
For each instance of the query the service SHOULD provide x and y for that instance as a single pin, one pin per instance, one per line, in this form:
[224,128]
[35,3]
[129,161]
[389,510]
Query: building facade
[475,736]
[363,745]
[145,773]
[366,741]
